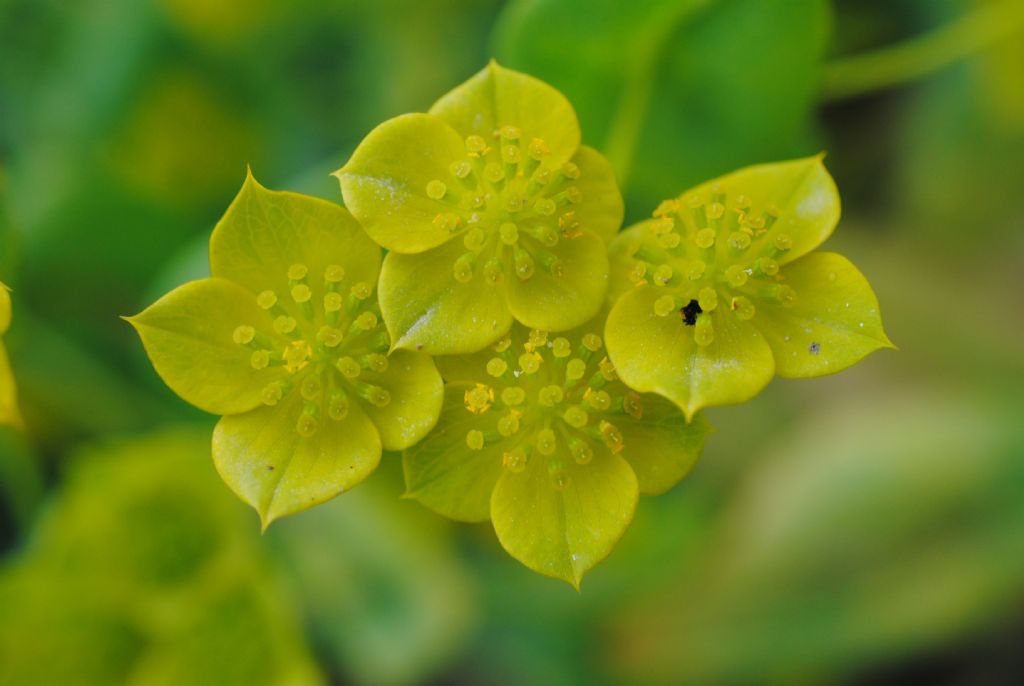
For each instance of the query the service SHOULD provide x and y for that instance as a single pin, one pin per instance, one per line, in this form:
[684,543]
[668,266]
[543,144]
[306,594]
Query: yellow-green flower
[9,414]
[540,436]
[720,290]
[285,341]
[492,211]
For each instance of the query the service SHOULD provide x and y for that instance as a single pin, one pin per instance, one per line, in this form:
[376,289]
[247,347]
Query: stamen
[436,189]
[529,362]
[479,398]
[348,367]
[576,417]
[337,406]
[743,308]
[515,460]
[549,396]
[496,367]
[243,335]
[474,439]
[546,442]
[561,347]
[266,300]
[513,395]
[611,436]
[508,425]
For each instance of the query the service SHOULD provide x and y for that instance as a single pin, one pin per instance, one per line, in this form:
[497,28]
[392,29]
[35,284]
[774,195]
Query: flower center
[328,338]
[509,205]
[708,249]
[550,401]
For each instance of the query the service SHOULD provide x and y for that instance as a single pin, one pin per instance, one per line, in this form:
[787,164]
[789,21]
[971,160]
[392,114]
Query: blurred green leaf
[145,571]
[386,598]
[676,92]
[887,526]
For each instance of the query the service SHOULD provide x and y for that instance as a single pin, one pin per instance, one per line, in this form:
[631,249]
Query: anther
[461,169]
[375,395]
[297,272]
[662,275]
[695,269]
[664,305]
[576,417]
[546,442]
[509,233]
[592,342]
[549,396]
[529,362]
[705,238]
[551,264]
[243,335]
[329,336]
[570,170]
[366,321]
[513,396]
[502,344]
[375,362]
[348,367]
[538,149]
[560,480]
[714,211]
[524,264]
[272,394]
[581,450]
[561,347]
[544,207]
[362,290]
[474,239]
[611,436]
[266,300]
[494,271]
[296,356]
[285,325]
[515,460]
[259,359]
[474,439]
[739,241]
[598,400]
[633,405]
[306,426]
[479,398]
[569,225]
[496,367]
[768,266]
[508,424]
[704,332]
[462,270]
[301,293]
[782,242]
[575,370]
[669,240]
[707,299]
[538,338]
[311,387]
[476,145]
[436,189]
[511,154]
[607,369]
[337,405]
[742,306]
[494,173]
[332,302]
[736,275]
[334,273]
[638,271]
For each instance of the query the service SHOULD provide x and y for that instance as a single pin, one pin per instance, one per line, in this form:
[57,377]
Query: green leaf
[563,532]
[497,97]
[691,89]
[264,232]
[189,337]
[556,302]
[265,461]
[426,309]
[385,181]
[655,354]
[834,323]
[444,474]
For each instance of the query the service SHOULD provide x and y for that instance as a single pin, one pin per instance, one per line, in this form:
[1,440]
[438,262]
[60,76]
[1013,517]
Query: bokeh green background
[866,528]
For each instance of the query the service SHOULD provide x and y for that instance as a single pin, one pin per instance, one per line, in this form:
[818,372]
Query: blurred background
[866,528]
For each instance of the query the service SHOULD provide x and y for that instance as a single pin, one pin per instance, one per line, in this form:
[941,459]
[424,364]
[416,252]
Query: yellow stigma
[479,398]
[296,355]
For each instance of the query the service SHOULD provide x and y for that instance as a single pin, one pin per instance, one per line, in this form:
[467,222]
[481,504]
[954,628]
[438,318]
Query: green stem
[849,77]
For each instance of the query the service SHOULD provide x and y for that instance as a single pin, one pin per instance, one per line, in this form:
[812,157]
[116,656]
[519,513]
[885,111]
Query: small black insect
[690,312]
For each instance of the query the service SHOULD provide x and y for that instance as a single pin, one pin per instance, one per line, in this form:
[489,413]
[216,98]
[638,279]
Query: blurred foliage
[139,572]
[869,521]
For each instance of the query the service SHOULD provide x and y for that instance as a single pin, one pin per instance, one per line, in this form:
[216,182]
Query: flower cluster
[570,361]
